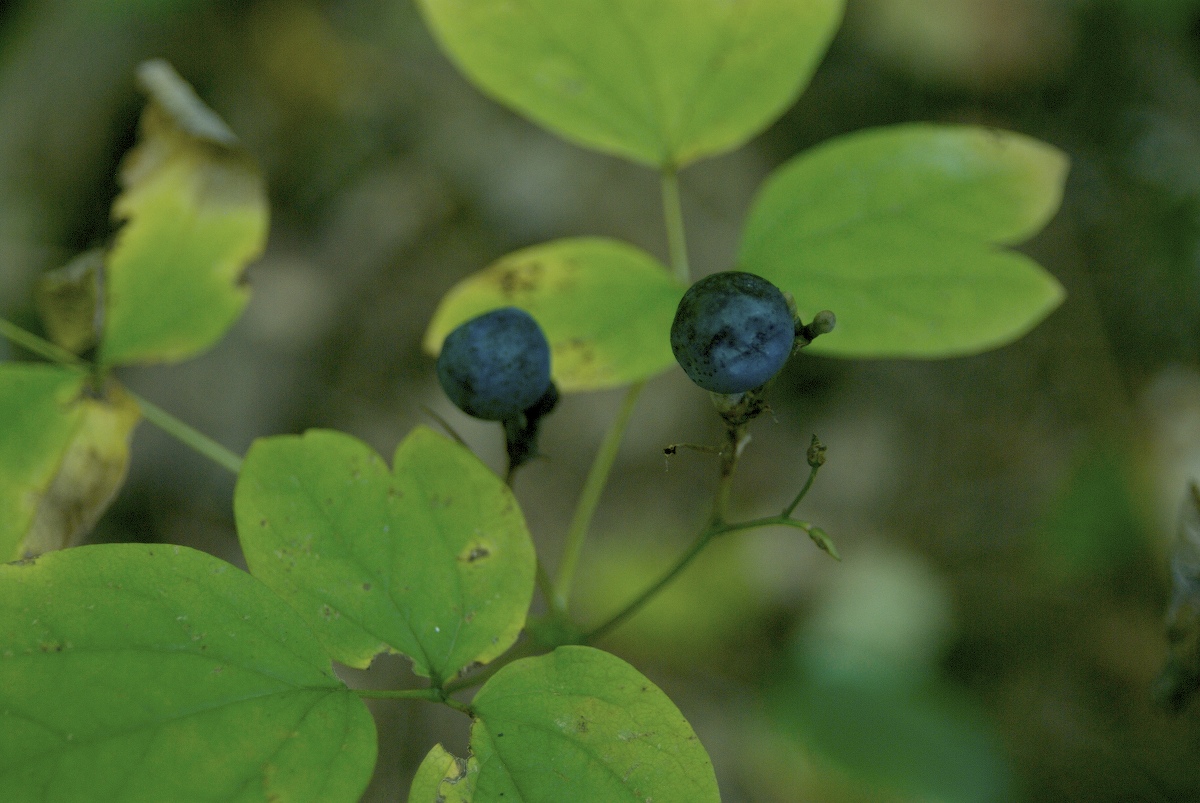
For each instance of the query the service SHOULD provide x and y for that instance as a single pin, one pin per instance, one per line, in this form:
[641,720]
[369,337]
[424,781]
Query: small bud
[816,453]
[824,542]
[822,324]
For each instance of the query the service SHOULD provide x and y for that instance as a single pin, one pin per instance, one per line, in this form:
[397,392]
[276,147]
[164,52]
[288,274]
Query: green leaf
[661,82]
[63,455]
[431,559]
[148,672]
[582,724]
[605,306]
[195,213]
[897,230]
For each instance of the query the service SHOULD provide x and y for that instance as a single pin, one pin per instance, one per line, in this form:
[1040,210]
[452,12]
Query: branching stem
[717,526]
[168,423]
[36,345]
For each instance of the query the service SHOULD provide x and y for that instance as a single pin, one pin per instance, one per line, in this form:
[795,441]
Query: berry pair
[732,332]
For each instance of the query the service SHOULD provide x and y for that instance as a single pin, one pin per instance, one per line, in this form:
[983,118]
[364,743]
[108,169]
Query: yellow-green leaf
[661,82]
[605,306]
[900,231]
[39,415]
[68,299]
[195,213]
[441,778]
[91,471]
[63,455]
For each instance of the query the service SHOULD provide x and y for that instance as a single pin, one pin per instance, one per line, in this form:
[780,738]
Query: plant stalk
[36,345]
[188,436]
[589,499]
[673,215]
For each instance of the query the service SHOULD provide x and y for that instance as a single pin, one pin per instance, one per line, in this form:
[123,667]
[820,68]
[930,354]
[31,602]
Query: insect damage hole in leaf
[431,559]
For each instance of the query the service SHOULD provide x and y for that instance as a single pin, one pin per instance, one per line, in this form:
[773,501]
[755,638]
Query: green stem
[523,650]
[544,583]
[812,475]
[718,526]
[433,695]
[589,499]
[673,214]
[153,413]
[636,605]
[187,436]
[818,536]
[36,345]
[729,460]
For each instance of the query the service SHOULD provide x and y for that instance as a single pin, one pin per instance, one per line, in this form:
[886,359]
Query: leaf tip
[159,80]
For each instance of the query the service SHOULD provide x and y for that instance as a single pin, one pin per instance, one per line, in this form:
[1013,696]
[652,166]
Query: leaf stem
[152,412]
[544,583]
[589,499]
[433,695]
[735,435]
[188,436]
[525,649]
[673,215]
[36,345]
[735,439]
[636,605]
[812,475]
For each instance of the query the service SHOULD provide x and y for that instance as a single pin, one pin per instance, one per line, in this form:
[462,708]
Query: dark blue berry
[495,366]
[732,332]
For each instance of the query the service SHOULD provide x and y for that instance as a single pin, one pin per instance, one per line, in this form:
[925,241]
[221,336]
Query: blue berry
[732,332]
[495,366]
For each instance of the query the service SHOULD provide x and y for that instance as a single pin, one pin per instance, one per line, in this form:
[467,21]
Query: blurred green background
[996,626]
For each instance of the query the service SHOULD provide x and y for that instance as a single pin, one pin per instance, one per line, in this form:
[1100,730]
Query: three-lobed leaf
[63,455]
[194,211]
[152,672]
[579,724]
[431,559]
[604,305]
[661,82]
[899,231]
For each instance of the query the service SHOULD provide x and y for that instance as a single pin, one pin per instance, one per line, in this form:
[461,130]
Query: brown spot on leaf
[519,278]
